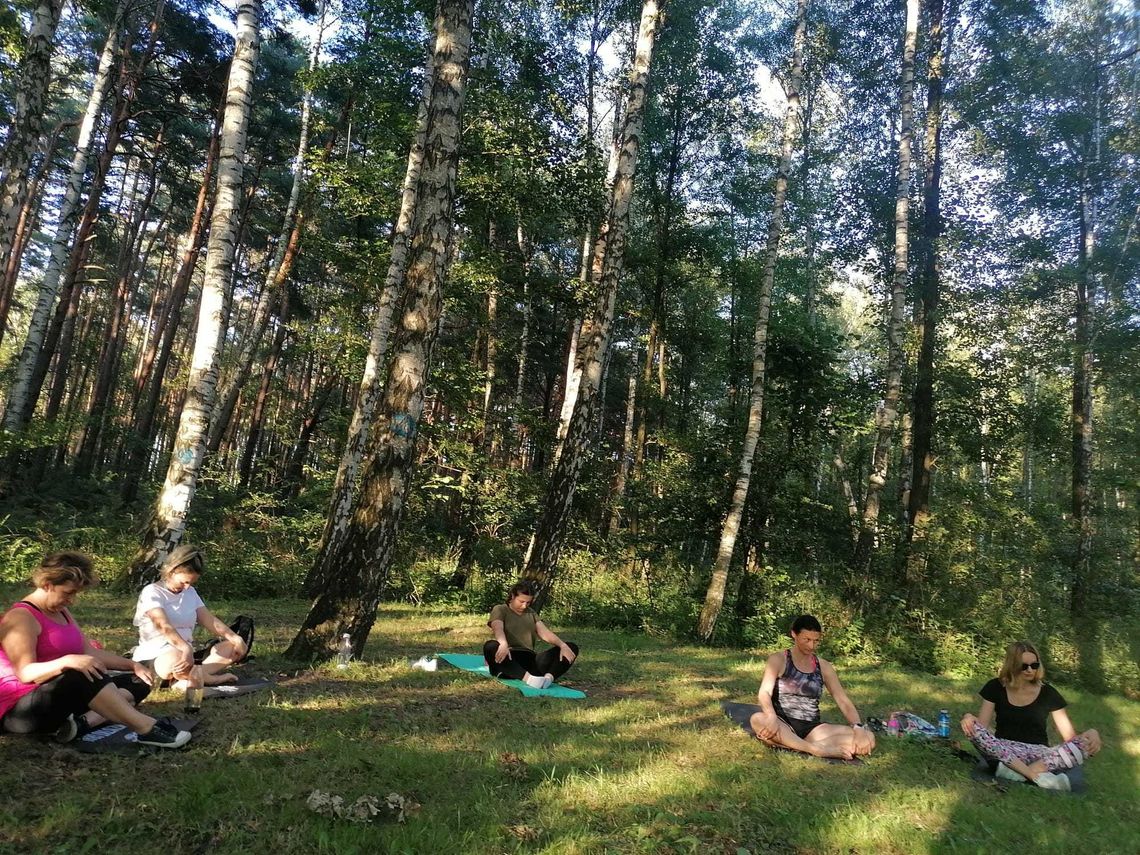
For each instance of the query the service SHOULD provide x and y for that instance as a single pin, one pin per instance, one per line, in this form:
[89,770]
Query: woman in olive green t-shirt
[511,652]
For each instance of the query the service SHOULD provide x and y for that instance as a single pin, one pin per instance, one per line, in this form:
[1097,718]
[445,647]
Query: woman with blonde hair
[53,679]
[1023,703]
[166,614]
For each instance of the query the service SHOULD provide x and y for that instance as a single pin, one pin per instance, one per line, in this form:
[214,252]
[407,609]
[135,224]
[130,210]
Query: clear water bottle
[344,654]
[944,723]
[893,725]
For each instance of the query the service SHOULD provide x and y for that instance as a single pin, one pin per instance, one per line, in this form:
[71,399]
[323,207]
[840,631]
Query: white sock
[534,681]
[547,680]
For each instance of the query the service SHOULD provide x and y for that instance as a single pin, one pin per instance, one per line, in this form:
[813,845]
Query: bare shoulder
[19,618]
[775,660]
[826,667]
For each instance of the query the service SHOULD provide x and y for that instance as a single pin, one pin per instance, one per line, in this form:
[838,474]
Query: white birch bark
[24,133]
[730,529]
[274,281]
[61,244]
[168,521]
[348,599]
[542,554]
[887,414]
[344,488]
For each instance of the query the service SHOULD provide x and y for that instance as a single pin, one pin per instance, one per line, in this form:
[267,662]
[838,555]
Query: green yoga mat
[477,665]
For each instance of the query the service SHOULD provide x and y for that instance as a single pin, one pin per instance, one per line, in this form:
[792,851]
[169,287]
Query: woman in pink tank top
[51,676]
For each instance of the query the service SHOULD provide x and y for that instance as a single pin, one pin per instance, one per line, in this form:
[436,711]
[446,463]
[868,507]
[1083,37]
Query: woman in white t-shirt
[166,614]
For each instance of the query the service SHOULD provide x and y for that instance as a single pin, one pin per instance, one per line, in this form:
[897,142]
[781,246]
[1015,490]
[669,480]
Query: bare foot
[220,679]
[841,753]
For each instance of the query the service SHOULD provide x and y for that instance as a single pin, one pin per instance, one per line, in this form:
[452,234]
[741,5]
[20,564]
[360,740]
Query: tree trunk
[1081,410]
[923,414]
[24,132]
[594,342]
[152,368]
[26,225]
[68,213]
[284,253]
[375,364]
[887,413]
[257,417]
[617,495]
[524,347]
[347,603]
[119,316]
[714,595]
[168,520]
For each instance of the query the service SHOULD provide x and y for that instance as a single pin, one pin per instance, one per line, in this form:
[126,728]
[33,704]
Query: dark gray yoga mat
[118,739]
[244,686]
[742,714]
[984,774]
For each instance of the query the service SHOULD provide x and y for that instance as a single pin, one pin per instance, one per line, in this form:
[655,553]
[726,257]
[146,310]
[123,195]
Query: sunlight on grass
[646,764]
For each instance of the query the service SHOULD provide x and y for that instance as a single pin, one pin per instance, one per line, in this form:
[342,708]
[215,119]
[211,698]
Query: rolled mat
[742,715]
[118,739]
[244,686]
[478,665]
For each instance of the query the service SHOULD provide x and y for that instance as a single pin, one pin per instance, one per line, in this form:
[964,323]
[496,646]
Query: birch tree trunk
[24,132]
[625,461]
[68,214]
[1081,430]
[347,603]
[714,595]
[168,520]
[152,367]
[285,248]
[515,437]
[941,26]
[887,414]
[344,487]
[594,342]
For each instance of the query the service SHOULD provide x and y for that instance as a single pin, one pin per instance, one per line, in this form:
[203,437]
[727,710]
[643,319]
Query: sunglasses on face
[1030,666]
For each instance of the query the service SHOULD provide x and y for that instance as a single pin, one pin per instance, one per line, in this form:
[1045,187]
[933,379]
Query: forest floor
[646,764]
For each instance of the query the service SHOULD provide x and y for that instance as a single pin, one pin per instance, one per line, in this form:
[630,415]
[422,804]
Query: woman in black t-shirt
[1023,704]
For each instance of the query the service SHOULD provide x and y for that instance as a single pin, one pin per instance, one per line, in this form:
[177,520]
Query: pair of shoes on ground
[537,682]
[1045,780]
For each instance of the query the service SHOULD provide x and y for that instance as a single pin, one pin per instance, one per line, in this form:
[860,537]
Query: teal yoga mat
[477,665]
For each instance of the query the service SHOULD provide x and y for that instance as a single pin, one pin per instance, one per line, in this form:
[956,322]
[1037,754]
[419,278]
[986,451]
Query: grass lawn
[646,764]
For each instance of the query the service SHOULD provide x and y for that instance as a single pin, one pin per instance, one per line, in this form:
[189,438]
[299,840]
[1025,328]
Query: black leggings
[525,661]
[45,708]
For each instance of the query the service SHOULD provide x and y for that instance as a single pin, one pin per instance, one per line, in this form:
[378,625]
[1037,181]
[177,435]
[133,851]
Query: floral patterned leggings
[1056,759]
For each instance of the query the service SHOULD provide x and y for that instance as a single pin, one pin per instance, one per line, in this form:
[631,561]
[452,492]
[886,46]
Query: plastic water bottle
[944,723]
[344,654]
[893,725]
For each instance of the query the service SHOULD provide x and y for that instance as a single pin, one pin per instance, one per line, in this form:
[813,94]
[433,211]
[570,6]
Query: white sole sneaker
[1007,774]
[1053,781]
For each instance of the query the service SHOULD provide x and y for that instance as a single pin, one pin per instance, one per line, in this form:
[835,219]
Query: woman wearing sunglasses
[1023,703]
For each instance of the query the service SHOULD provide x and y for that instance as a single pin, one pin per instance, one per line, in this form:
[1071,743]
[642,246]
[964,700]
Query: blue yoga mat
[478,665]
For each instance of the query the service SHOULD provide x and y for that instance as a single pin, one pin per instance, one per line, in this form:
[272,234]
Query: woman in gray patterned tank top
[789,701]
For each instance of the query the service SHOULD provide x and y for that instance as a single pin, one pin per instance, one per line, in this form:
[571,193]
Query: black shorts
[801,727]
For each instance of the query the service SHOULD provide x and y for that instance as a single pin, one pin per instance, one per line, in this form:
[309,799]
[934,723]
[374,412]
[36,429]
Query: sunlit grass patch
[647,763]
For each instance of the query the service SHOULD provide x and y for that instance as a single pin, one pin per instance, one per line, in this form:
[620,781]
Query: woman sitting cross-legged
[53,680]
[789,701]
[166,614]
[511,652]
[1023,703]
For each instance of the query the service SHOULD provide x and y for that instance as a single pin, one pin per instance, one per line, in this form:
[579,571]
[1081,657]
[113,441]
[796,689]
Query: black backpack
[243,626]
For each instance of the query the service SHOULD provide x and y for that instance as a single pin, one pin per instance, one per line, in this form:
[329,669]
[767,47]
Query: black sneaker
[67,731]
[164,735]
